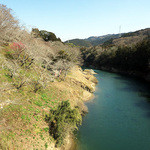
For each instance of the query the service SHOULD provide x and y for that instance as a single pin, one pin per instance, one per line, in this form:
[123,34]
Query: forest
[131,57]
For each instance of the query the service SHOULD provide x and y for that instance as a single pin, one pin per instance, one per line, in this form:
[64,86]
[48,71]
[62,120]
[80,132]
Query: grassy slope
[22,112]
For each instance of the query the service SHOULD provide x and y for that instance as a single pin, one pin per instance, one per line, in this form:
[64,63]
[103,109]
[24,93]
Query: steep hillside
[41,89]
[79,42]
[132,37]
[131,57]
[27,97]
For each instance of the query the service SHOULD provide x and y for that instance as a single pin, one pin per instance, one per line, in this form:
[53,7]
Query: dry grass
[126,41]
[23,125]
[22,108]
[22,117]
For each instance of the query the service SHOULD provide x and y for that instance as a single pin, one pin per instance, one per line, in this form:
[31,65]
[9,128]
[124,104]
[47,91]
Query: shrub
[17,51]
[62,121]
[37,86]
[35,32]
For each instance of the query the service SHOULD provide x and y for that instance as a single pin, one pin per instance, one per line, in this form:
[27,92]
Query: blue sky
[70,19]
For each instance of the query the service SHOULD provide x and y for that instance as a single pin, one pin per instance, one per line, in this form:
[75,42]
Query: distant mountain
[117,39]
[93,40]
[96,40]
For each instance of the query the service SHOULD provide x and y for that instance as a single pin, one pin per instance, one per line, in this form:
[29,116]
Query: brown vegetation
[30,73]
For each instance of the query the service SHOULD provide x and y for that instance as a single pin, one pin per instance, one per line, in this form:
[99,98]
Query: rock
[89,71]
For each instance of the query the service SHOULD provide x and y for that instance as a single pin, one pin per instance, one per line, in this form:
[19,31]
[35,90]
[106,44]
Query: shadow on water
[130,89]
[139,86]
[142,89]
[146,95]
[148,114]
[139,90]
[129,77]
[144,106]
[132,84]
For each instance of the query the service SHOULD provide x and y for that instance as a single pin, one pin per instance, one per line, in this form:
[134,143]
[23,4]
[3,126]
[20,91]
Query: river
[119,115]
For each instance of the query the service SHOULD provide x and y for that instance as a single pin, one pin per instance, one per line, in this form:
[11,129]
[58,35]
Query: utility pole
[120,31]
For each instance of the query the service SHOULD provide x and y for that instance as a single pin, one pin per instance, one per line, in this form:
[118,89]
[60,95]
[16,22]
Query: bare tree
[9,26]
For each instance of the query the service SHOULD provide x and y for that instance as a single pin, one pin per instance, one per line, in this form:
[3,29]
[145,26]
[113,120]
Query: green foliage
[37,86]
[133,58]
[63,120]
[35,32]
[46,129]
[63,55]
[47,36]
[89,55]
[108,43]
[8,55]
[125,58]
[9,73]
[46,145]
[128,34]
[79,42]
[38,103]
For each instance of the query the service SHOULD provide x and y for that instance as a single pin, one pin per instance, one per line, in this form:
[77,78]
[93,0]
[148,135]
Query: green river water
[119,115]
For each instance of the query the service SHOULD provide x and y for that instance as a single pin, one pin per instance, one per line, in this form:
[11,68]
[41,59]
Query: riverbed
[119,115]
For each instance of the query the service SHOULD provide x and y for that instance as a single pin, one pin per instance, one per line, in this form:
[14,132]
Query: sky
[70,19]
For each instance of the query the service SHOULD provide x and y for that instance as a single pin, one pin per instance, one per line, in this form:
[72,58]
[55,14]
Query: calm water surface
[119,116]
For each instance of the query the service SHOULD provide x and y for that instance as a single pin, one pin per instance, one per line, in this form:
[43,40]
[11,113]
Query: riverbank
[80,85]
[136,74]
[22,118]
